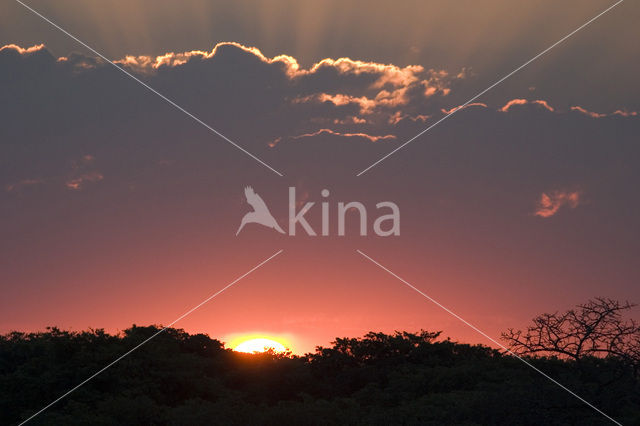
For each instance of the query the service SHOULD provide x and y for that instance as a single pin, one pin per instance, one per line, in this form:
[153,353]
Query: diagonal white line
[489,337]
[154,335]
[490,87]
[172,103]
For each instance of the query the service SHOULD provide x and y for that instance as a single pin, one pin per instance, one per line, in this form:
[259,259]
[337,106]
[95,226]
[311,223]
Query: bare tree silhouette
[595,328]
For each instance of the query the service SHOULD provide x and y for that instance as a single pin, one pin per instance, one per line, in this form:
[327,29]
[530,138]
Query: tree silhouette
[401,378]
[593,329]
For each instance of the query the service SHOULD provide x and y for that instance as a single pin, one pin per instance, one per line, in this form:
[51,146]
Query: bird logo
[260,213]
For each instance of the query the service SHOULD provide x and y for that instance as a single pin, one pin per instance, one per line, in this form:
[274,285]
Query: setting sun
[259,345]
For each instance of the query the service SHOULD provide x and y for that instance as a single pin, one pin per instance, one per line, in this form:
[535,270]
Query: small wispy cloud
[593,114]
[516,102]
[16,186]
[83,173]
[82,180]
[454,109]
[587,112]
[372,138]
[550,202]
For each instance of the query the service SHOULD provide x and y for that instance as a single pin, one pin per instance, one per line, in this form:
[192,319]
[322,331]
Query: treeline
[379,379]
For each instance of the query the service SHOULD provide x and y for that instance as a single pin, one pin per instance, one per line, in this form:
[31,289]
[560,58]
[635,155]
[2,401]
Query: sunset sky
[116,208]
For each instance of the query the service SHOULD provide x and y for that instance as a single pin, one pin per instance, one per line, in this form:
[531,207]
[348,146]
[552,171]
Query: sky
[116,208]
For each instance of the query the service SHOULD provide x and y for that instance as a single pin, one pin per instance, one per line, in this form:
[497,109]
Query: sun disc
[259,345]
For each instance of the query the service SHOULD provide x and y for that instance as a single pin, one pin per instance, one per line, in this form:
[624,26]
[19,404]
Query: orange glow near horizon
[259,343]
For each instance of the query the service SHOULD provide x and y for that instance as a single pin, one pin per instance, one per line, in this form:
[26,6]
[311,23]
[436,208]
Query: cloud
[62,109]
[592,114]
[233,84]
[370,138]
[12,187]
[80,181]
[380,75]
[513,102]
[83,173]
[625,113]
[551,202]
[576,108]
[364,104]
[21,50]
[148,64]
[471,105]
[398,116]
[517,102]
[348,85]
[586,112]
